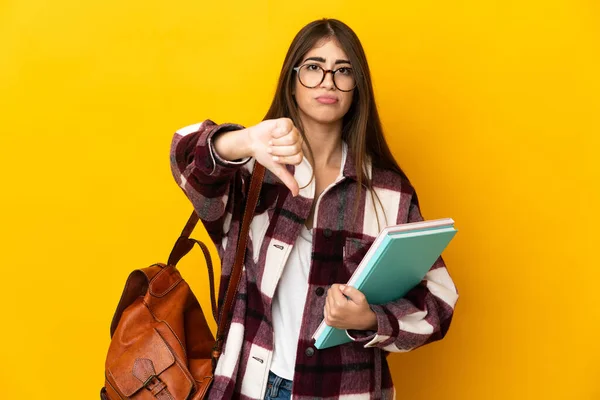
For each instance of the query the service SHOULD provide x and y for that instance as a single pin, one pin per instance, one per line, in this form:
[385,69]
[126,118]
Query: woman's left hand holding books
[347,308]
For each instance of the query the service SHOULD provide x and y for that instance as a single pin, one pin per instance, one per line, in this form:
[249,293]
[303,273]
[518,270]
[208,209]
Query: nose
[328,80]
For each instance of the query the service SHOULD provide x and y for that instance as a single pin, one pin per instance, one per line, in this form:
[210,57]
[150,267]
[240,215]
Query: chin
[325,118]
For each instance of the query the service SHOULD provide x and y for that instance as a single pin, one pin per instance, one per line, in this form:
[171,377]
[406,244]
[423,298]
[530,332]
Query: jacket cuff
[215,164]
[386,326]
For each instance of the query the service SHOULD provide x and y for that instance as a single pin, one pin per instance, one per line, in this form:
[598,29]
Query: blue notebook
[397,261]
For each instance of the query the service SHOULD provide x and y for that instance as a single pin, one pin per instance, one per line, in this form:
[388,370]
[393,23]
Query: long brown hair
[361,122]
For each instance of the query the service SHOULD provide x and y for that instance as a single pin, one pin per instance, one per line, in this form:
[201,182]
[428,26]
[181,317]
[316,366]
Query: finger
[328,308]
[338,296]
[279,133]
[283,127]
[330,291]
[285,150]
[331,310]
[330,300]
[285,123]
[290,138]
[353,294]
[291,160]
[326,315]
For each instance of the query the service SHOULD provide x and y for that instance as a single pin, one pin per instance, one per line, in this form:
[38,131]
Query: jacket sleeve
[422,316]
[212,184]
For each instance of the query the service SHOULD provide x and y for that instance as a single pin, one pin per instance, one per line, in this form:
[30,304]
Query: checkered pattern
[341,237]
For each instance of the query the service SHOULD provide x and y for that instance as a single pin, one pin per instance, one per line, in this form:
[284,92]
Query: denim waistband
[276,383]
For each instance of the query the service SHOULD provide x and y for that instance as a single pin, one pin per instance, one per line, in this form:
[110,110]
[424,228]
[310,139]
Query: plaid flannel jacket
[341,237]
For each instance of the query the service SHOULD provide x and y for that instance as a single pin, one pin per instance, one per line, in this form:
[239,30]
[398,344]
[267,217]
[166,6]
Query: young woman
[331,185]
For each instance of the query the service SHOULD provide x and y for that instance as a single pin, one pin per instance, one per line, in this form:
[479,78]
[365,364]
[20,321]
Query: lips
[327,99]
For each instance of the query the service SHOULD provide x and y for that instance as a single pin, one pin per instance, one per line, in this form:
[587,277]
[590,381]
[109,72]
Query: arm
[209,180]
[207,161]
[421,317]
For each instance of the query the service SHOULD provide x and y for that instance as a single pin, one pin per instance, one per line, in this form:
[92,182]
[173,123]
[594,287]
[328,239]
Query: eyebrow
[322,60]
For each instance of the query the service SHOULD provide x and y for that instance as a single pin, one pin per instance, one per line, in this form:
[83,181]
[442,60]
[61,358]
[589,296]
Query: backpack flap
[141,367]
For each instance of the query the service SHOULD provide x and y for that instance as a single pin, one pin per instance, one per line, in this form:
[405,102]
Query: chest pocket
[269,194]
[354,251]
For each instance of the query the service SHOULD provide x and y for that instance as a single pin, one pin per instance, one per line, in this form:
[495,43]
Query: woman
[331,185]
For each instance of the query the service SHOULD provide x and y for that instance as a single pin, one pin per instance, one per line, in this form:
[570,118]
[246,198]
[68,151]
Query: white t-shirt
[290,297]
[288,305]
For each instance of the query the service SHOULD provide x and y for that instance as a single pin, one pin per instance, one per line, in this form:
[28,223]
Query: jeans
[278,388]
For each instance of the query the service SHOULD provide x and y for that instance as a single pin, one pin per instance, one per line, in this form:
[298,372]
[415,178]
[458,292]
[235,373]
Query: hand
[347,308]
[274,143]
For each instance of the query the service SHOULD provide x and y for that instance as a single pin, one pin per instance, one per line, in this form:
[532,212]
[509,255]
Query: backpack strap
[234,280]
[184,244]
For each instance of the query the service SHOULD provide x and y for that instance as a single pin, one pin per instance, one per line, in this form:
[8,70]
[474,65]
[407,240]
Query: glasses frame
[325,72]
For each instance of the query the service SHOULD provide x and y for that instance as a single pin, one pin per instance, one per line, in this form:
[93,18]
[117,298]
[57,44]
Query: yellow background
[491,107]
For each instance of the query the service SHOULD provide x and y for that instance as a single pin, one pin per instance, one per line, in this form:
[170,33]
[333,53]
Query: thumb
[288,179]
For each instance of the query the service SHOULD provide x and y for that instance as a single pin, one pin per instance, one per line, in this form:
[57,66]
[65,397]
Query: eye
[344,71]
[312,67]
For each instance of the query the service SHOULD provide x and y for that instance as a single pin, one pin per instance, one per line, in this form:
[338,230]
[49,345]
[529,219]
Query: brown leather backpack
[161,346]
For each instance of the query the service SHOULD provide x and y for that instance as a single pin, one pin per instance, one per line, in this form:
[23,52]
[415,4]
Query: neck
[325,141]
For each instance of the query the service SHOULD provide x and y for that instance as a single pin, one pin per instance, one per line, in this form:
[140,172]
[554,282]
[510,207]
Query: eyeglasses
[312,75]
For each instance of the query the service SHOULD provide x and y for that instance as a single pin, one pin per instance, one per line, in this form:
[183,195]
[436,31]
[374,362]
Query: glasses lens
[344,79]
[310,75]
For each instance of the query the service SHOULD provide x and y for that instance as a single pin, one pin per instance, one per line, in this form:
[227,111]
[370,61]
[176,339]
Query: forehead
[329,49]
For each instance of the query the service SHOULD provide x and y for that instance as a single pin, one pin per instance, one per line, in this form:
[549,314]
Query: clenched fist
[274,143]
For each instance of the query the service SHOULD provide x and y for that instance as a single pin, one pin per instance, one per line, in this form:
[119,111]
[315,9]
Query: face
[324,103]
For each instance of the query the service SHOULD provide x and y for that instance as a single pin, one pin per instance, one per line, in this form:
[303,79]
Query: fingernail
[342,287]
[275,158]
